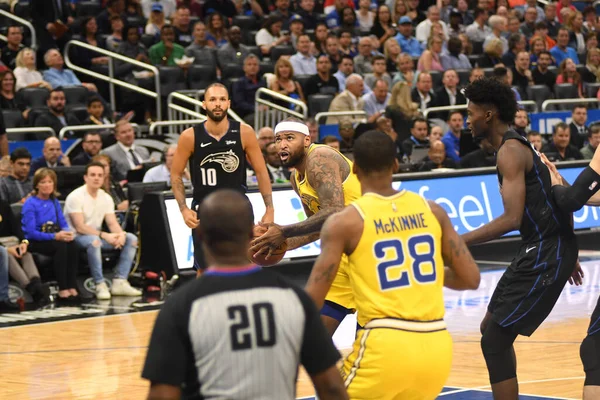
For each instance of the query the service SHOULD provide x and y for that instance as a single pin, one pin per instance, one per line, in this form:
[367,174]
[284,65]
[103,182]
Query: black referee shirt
[238,333]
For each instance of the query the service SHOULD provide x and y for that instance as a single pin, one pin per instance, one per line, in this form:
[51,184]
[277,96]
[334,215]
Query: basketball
[261,259]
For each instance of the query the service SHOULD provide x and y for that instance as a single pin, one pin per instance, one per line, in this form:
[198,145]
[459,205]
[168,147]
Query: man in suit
[579,131]
[448,95]
[56,118]
[125,155]
[422,93]
[348,100]
[52,156]
[49,19]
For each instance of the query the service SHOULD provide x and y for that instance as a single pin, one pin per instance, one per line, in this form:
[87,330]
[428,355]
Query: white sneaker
[121,287]
[102,292]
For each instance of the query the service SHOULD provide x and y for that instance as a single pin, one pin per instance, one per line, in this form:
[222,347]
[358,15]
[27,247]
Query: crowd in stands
[383,62]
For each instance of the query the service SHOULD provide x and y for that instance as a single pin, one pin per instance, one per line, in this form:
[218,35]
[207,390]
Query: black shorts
[531,285]
[199,261]
[594,327]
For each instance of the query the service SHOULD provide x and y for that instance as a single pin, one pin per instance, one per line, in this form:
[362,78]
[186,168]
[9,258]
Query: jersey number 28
[421,250]
[252,326]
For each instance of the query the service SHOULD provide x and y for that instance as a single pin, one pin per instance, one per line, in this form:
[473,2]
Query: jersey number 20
[252,326]
[421,250]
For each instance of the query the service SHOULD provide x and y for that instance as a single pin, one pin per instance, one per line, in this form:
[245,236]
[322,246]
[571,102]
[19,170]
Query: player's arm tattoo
[268,200]
[179,191]
[299,241]
[325,275]
[325,171]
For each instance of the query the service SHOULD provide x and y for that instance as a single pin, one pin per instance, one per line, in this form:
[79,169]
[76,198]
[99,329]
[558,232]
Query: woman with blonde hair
[400,10]
[492,54]
[591,72]
[285,83]
[406,71]
[47,231]
[430,59]
[156,21]
[392,51]
[26,74]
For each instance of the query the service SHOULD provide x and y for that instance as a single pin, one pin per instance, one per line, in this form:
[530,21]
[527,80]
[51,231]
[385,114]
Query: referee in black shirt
[238,332]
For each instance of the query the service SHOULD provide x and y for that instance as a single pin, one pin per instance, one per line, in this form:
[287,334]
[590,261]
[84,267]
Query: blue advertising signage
[544,122]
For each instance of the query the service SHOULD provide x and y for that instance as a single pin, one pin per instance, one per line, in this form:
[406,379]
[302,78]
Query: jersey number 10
[208,176]
[419,258]
[252,326]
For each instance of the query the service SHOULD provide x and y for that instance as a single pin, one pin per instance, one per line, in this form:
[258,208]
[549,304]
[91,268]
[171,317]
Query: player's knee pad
[496,345]
[589,351]
[335,311]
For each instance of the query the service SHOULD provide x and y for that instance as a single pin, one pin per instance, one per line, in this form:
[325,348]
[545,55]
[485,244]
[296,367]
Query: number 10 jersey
[218,164]
[397,270]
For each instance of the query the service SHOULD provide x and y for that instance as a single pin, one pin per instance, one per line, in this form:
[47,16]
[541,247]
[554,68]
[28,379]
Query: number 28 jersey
[218,164]
[397,270]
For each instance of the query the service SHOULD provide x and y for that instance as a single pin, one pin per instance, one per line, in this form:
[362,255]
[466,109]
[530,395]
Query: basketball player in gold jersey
[397,244]
[324,181]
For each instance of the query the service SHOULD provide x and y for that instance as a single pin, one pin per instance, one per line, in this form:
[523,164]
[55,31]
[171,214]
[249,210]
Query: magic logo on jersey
[228,159]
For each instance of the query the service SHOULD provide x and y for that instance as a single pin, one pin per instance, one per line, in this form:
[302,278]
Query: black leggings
[65,258]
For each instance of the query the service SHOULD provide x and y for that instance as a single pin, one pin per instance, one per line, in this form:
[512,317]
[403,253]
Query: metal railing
[547,103]
[429,110]
[274,113]
[111,72]
[181,113]
[340,114]
[30,130]
[24,22]
[185,123]
[87,128]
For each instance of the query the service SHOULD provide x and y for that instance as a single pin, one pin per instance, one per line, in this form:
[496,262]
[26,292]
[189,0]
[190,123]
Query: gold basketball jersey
[397,270]
[309,196]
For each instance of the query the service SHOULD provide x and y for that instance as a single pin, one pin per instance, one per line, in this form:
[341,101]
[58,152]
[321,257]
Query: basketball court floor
[97,352]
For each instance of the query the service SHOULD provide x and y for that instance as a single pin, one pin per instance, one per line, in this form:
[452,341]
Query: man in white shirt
[478,30]
[86,208]
[499,26]
[162,172]
[424,28]
[124,154]
[303,62]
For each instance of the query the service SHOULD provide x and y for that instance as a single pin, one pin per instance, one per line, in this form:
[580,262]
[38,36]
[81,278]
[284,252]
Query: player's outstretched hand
[577,275]
[190,218]
[269,216]
[555,176]
[269,241]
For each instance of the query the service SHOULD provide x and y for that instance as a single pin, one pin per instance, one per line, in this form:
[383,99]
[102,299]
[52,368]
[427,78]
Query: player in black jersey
[531,285]
[239,331]
[585,191]
[217,150]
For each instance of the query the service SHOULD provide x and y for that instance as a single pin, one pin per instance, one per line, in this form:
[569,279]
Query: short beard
[215,118]
[293,160]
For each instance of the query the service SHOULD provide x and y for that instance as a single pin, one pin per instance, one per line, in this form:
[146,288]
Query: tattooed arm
[339,235]
[185,149]
[461,271]
[325,171]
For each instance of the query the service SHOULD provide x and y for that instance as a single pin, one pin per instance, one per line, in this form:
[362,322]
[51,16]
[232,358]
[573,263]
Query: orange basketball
[276,256]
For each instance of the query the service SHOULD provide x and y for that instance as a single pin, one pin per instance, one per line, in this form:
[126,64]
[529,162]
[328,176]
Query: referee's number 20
[252,326]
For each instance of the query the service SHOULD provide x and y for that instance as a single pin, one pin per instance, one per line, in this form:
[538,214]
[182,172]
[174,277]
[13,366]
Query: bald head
[51,150]
[265,137]
[226,224]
